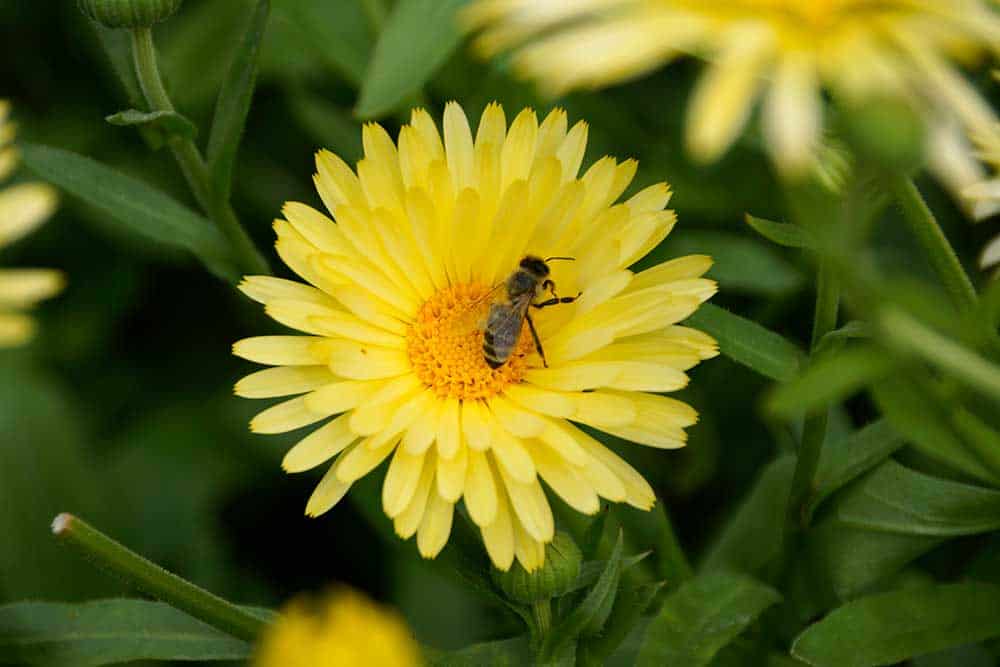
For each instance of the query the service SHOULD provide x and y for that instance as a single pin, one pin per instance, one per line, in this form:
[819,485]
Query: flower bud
[129,13]
[554,578]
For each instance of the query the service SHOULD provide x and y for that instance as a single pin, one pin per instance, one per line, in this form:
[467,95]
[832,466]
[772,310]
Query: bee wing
[473,316]
[505,320]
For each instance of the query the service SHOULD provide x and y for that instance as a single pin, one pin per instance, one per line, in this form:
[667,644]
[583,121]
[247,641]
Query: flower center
[445,345]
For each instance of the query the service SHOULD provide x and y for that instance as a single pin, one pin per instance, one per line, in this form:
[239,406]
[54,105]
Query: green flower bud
[888,132]
[554,578]
[129,13]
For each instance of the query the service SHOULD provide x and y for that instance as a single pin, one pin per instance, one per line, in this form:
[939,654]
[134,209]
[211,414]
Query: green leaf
[166,123]
[894,498]
[741,263]
[594,608]
[133,204]
[830,379]
[833,340]
[417,39]
[967,366]
[748,343]
[846,560]
[503,653]
[923,420]
[652,530]
[845,459]
[234,104]
[701,617]
[752,536]
[790,236]
[108,631]
[891,627]
[630,604]
[980,437]
[337,31]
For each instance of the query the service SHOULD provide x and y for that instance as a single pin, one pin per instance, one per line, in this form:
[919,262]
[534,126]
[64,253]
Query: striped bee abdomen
[503,327]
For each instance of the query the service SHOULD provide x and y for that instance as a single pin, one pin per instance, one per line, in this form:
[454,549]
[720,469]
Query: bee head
[535,266]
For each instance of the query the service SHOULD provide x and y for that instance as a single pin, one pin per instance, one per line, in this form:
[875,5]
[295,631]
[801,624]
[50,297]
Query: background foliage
[122,410]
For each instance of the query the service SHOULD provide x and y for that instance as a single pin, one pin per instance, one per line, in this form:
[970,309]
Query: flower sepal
[554,579]
[129,13]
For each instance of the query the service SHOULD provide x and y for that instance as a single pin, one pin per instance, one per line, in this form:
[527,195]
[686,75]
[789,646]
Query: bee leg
[557,299]
[538,343]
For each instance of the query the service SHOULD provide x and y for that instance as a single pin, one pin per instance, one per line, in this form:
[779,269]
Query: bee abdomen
[494,358]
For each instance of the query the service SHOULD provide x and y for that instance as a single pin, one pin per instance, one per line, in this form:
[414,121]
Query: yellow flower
[785,50]
[346,630]
[399,285]
[22,208]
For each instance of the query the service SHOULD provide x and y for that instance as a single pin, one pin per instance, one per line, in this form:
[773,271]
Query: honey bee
[503,324]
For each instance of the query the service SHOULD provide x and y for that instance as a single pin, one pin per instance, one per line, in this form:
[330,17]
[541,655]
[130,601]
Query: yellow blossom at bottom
[345,629]
[427,231]
[22,208]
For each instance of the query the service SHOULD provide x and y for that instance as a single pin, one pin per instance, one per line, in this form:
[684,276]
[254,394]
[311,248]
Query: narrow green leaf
[417,38]
[630,604]
[748,343]
[830,379]
[167,123]
[845,459]
[596,604]
[591,570]
[790,236]
[752,536]
[133,204]
[741,263]
[234,104]
[503,653]
[653,530]
[108,631]
[982,439]
[951,357]
[833,340]
[923,420]
[891,627]
[701,617]
[895,499]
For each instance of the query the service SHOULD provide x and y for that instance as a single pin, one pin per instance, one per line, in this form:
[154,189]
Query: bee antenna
[568,259]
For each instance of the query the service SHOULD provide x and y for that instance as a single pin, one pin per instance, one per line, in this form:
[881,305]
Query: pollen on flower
[445,345]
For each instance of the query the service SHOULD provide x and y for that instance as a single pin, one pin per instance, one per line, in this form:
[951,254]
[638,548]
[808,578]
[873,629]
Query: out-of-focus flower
[22,208]
[344,629]
[427,233]
[986,194]
[786,51]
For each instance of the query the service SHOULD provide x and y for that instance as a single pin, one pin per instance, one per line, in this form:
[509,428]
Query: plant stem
[814,429]
[542,612]
[189,158]
[925,227]
[154,580]
[376,13]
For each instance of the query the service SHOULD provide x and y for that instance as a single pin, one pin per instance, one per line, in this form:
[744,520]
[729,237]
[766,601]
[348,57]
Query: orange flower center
[445,345]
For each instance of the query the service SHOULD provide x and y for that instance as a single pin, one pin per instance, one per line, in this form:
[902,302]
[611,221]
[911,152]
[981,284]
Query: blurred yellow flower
[426,232]
[345,629]
[986,195]
[786,51]
[22,208]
